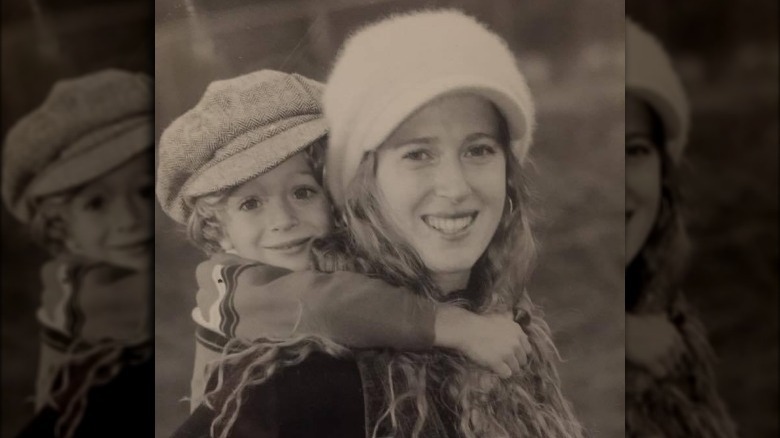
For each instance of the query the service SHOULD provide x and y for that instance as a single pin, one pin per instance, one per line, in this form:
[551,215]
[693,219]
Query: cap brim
[74,171]
[404,105]
[669,115]
[388,116]
[254,161]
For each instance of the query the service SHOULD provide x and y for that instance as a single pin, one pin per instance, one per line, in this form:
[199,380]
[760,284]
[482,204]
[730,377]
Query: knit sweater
[246,300]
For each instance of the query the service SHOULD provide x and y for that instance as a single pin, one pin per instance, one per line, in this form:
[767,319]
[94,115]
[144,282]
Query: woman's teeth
[449,225]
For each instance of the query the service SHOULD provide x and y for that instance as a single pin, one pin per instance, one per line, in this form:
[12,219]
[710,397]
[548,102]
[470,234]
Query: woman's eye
[417,155]
[481,150]
[639,149]
[249,204]
[304,193]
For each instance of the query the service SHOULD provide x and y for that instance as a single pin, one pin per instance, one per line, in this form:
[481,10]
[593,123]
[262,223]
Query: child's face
[110,219]
[275,217]
[643,176]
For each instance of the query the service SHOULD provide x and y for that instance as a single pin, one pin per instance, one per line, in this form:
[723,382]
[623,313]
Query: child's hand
[653,342]
[493,341]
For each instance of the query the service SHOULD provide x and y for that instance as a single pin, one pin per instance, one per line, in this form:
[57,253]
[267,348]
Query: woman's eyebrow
[413,141]
[479,135]
[638,135]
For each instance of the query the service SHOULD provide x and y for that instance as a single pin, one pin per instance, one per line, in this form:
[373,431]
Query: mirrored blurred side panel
[701,219]
[76,346]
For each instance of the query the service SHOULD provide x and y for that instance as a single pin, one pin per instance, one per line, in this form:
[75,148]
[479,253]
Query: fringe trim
[475,402]
[471,402]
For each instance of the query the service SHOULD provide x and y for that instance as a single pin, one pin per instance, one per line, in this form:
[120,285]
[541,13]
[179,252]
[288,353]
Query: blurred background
[573,56]
[727,56]
[42,41]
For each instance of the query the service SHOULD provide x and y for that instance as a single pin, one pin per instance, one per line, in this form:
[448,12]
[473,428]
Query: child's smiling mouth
[290,246]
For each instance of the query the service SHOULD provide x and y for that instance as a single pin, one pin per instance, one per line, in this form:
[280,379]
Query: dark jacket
[321,397]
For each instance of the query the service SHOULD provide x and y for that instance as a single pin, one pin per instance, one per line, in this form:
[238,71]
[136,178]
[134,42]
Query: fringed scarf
[529,404]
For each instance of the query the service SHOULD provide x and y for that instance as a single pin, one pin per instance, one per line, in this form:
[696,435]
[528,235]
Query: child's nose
[283,216]
[128,216]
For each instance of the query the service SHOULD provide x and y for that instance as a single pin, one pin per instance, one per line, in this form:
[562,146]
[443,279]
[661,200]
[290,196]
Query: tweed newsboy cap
[651,76]
[85,127]
[389,69]
[241,128]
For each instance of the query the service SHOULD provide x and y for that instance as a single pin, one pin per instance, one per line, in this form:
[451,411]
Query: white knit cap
[387,70]
[651,77]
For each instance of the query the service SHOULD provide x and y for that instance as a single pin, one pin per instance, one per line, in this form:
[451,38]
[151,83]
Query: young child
[77,172]
[243,171]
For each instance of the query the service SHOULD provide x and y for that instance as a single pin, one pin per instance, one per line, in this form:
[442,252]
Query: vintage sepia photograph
[701,219]
[389,218]
[76,351]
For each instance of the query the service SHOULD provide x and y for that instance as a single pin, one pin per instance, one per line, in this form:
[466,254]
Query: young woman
[430,124]
[670,385]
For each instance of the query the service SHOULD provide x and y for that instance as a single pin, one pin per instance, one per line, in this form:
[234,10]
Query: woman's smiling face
[442,180]
[643,175]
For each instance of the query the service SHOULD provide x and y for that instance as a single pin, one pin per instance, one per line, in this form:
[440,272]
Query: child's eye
[417,155]
[249,204]
[304,193]
[94,203]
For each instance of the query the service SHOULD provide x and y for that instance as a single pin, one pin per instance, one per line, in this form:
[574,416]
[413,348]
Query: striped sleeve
[249,301]
[218,285]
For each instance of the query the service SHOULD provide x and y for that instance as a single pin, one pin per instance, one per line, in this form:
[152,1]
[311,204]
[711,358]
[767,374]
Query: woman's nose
[282,216]
[451,181]
[633,186]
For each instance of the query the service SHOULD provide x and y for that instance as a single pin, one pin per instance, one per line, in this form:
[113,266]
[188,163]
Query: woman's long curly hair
[418,388]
